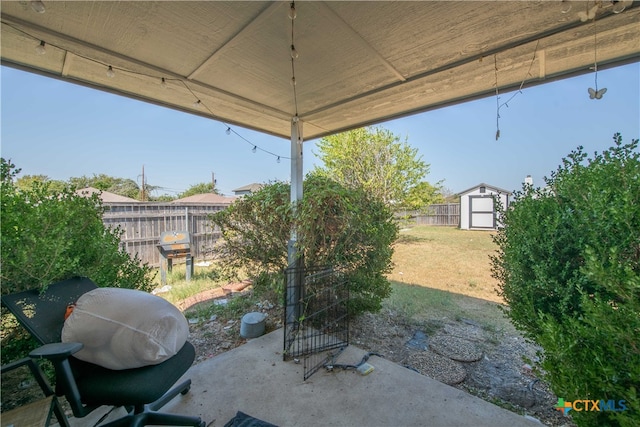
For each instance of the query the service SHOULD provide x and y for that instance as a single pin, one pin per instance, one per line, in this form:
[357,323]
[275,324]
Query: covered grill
[173,245]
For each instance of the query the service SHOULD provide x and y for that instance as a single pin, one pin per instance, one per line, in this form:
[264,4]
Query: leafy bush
[345,228]
[569,269]
[49,238]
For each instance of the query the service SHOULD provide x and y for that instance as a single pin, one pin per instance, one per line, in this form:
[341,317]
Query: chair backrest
[42,313]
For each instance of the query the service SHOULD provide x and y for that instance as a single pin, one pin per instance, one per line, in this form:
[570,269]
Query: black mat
[243,420]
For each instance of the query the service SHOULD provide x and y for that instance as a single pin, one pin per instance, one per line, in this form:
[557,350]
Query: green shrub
[50,236]
[569,269]
[344,228]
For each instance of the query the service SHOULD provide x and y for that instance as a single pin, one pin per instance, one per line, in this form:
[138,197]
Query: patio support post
[294,290]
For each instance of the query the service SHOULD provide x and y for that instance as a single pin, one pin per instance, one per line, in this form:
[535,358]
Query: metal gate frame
[316,319]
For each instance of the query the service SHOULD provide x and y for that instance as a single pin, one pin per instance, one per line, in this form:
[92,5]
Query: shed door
[481,212]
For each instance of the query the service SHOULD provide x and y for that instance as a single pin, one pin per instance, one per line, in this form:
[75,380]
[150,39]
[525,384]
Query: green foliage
[49,238]
[26,182]
[200,188]
[422,195]
[345,228]
[569,269]
[374,160]
[121,186]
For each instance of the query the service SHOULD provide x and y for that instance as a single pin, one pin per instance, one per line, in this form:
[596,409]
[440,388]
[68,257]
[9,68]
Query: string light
[40,49]
[292,11]
[111,72]
[506,103]
[38,6]
[294,56]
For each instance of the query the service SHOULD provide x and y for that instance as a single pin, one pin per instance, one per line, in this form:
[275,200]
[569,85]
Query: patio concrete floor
[254,379]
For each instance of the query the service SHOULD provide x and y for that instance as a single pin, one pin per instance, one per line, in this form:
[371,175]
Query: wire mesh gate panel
[316,316]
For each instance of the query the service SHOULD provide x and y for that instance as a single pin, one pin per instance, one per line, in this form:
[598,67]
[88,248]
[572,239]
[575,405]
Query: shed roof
[482,184]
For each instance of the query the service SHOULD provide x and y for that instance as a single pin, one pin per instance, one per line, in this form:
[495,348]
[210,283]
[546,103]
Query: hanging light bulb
[163,83]
[278,159]
[254,149]
[197,103]
[40,49]
[228,131]
[293,81]
[619,6]
[110,72]
[292,11]
[38,6]
[294,52]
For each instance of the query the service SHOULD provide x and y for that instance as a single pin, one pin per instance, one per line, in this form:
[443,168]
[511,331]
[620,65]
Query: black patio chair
[86,386]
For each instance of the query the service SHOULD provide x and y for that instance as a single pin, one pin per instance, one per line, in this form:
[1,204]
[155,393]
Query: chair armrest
[56,351]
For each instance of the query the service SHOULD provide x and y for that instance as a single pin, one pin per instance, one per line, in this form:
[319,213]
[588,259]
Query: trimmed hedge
[569,269]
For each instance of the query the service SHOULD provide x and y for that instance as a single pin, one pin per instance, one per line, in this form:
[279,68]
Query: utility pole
[143,192]
[213,183]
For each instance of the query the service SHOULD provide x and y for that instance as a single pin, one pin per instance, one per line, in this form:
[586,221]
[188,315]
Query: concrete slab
[253,379]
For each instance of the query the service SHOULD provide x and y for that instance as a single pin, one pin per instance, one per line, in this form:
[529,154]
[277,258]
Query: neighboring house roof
[482,184]
[105,196]
[207,198]
[250,188]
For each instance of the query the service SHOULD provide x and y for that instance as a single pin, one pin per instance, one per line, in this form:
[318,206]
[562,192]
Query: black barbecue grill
[173,245]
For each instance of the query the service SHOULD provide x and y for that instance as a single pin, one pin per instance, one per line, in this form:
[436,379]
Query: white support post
[294,290]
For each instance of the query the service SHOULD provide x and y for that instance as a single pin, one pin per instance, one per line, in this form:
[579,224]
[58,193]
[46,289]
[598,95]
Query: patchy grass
[439,272]
[446,258]
[445,273]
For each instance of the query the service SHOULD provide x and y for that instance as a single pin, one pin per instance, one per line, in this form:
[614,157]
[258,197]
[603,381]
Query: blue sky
[62,130]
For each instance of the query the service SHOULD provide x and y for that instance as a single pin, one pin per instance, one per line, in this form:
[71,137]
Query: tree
[374,160]
[422,195]
[47,237]
[28,181]
[121,186]
[200,188]
[338,226]
[568,267]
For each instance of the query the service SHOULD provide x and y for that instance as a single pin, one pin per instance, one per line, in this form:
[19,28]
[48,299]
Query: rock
[455,348]
[438,367]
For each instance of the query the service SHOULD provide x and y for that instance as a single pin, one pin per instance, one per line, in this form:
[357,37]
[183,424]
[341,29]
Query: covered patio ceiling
[358,63]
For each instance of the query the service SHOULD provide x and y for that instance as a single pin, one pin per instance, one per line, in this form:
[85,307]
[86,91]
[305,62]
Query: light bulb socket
[292,11]
[618,6]
[41,49]
[38,6]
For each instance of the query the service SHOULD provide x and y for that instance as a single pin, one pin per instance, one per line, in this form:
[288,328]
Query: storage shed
[478,210]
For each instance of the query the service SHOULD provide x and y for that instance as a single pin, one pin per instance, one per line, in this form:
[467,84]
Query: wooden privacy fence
[143,223]
[446,214]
